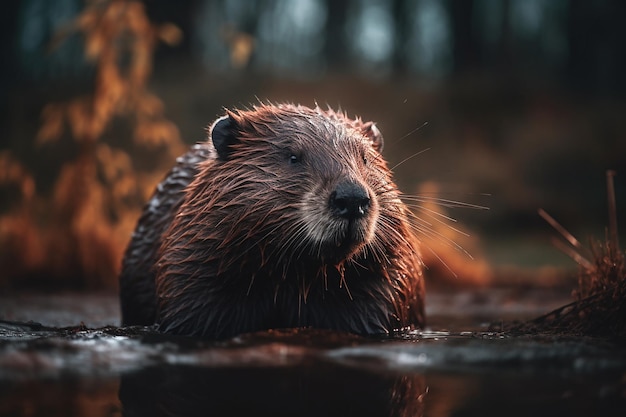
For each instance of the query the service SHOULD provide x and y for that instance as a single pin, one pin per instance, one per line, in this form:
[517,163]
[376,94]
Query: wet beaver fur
[286,217]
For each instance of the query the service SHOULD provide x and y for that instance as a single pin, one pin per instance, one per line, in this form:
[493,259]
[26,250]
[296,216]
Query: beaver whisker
[439,218]
[435,215]
[377,252]
[400,139]
[306,223]
[391,232]
[294,231]
[252,277]
[387,195]
[442,202]
[294,244]
[377,247]
[408,158]
[427,229]
[283,247]
[436,255]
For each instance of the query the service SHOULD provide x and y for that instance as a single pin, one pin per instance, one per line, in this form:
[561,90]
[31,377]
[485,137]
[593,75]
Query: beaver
[286,217]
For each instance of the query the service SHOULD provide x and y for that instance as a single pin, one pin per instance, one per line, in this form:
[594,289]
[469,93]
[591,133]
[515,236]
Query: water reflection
[92,397]
[137,372]
[112,371]
[311,390]
[315,389]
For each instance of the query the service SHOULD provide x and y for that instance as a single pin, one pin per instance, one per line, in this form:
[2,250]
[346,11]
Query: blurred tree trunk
[401,17]
[580,44]
[336,44]
[9,70]
[595,30]
[504,51]
[463,35]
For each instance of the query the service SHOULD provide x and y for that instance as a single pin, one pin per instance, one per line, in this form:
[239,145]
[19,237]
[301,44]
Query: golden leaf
[12,172]
[52,125]
[114,163]
[77,117]
[149,105]
[156,133]
[28,188]
[170,34]
[241,45]
[94,44]
[241,48]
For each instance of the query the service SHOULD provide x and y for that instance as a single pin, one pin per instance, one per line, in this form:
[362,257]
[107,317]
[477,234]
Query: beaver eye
[294,159]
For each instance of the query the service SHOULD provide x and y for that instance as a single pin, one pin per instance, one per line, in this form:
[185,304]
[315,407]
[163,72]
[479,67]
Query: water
[456,367]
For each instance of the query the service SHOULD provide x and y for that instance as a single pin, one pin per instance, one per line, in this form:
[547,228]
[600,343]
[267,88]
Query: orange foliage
[19,238]
[113,30]
[241,46]
[79,233]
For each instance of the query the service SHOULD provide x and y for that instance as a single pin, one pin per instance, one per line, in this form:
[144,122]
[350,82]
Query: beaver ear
[223,134]
[369,130]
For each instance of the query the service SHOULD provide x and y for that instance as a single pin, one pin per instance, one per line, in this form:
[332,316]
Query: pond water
[457,367]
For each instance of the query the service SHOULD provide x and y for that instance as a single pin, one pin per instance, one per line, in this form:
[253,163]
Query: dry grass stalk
[600,306]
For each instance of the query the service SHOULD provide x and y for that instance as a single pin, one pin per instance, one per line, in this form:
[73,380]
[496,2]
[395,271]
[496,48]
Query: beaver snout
[349,200]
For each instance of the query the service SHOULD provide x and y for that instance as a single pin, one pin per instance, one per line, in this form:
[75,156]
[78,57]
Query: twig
[610,188]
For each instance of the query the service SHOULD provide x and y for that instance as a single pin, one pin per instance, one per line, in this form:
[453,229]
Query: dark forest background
[523,99]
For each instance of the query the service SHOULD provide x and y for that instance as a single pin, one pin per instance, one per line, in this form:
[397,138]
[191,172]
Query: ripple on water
[31,349]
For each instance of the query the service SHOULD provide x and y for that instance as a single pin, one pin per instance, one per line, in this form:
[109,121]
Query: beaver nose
[350,200]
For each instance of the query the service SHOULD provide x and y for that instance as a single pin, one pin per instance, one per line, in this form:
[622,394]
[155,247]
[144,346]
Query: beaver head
[298,181]
[288,194]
